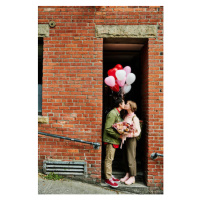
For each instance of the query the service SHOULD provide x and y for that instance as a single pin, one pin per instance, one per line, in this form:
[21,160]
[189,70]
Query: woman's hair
[117,101]
[133,105]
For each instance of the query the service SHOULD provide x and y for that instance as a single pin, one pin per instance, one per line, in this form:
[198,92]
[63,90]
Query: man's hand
[120,132]
[121,137]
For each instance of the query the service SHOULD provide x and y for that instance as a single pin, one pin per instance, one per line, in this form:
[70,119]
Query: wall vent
[65,167]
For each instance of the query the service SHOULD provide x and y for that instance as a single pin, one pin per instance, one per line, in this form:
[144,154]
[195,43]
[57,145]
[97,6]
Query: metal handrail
[95,144]
[155,155]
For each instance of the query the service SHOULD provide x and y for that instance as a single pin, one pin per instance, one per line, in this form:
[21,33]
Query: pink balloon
[127,69]
[110,81]
[121,83]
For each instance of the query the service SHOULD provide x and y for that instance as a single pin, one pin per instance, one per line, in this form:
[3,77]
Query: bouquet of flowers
[124,127]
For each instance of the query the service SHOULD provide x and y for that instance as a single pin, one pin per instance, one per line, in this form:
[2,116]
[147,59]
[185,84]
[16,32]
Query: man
[112,140]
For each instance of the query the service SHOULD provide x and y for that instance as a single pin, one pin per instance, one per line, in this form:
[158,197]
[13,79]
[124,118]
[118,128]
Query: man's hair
[117,101]
[133,105]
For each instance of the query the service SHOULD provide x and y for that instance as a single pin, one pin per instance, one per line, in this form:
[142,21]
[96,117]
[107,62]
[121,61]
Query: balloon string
[120,93]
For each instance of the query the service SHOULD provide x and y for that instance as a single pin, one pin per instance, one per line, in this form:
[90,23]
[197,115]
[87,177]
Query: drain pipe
[155,155]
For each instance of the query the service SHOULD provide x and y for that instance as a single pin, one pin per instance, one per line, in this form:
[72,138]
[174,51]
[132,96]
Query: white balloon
[130,78]
[120,74]
[126,88]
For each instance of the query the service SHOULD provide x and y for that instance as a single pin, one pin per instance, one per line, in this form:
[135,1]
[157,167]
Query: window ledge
[43,120]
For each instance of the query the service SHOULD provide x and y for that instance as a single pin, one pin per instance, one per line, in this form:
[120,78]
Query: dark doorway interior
[127,52]
[40,74]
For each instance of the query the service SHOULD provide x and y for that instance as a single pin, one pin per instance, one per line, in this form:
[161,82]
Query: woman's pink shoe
[125,178]
[130,181]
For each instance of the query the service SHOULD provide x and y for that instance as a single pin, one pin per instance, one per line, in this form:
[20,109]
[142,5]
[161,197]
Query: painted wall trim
[43,119]
[43,30]
[126,31]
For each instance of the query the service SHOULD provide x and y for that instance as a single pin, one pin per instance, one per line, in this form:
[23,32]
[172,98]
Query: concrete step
[136,188]
[135,185]
[138,178]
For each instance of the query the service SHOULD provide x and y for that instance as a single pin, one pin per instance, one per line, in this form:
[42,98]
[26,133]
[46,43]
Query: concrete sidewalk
[68,186]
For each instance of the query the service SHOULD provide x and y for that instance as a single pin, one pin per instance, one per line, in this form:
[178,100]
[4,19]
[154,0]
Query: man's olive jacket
[110,135]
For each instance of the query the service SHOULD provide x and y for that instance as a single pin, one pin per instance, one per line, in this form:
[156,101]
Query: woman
[130,143]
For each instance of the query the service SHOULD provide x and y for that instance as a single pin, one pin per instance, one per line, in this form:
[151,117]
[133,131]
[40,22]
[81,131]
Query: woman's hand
[135,133]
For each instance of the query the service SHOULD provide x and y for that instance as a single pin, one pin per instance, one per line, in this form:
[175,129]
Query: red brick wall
[155,108]
[73,77]
[152,107]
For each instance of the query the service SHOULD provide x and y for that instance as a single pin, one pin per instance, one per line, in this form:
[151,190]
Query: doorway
[127,52]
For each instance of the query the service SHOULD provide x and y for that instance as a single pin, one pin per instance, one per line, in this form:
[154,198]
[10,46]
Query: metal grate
[65,167]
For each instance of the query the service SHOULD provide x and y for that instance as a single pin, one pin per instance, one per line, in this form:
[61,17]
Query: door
[126,52]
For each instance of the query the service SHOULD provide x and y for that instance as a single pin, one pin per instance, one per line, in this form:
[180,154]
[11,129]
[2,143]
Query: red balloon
[115,88]
[111,72]
[118,66]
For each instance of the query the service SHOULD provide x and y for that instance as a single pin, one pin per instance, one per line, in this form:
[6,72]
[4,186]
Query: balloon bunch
[120,77]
